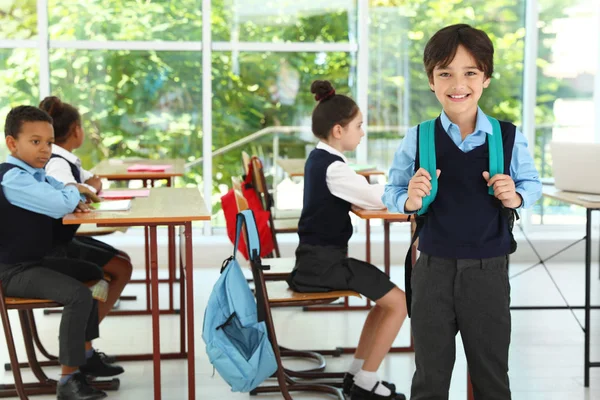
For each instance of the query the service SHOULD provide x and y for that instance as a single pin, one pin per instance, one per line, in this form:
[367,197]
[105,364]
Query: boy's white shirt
[60,169]
[345,183]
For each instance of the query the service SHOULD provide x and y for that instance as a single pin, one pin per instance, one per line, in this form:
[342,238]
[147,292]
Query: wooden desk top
[379,214]
[294,167]
[164,205]
[117,169]
[569,197]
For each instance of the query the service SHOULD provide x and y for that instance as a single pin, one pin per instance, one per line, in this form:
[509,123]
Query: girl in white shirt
[324,229]
[66,167]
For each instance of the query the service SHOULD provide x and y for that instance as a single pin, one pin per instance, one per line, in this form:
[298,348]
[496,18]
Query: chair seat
[286,214]
[283,265]
[285,225]
[21,301]
[93,230]
[279,292]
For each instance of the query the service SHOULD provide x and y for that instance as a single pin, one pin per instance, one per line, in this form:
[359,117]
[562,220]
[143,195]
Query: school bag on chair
[427,160]
[237,342]
[262,217]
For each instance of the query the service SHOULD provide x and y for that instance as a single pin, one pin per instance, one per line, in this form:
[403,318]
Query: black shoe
[349,382]
[358,393]
[77,388]
[95,366]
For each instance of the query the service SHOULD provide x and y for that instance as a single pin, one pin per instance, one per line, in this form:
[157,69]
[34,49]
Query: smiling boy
[460,281]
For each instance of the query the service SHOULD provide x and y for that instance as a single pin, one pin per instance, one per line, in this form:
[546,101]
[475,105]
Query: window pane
[125,20]
[399,93]
[565,104]
[253,90]
[133,103]
[283,21]
[18,19]
[19,83]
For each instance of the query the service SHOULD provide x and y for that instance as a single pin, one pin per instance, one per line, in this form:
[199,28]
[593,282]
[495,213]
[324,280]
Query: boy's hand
[91,196]
[82,207]
[418,187]
[504,189]
[95,182]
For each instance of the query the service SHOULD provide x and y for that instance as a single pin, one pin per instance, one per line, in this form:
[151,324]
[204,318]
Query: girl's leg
[119,269]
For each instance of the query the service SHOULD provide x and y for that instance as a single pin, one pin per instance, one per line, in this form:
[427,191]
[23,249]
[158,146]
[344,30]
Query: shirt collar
[324,146]
[20,163]
[482,123]
[70,157]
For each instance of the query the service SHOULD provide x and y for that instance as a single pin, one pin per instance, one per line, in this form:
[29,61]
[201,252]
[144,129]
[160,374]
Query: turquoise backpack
[427,160]
[237,342]
[427,156]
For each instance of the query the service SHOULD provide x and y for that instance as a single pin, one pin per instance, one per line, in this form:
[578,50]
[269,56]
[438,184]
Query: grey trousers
[470,296]
[60,280]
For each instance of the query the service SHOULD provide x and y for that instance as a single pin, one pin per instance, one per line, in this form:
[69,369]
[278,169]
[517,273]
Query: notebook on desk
[113,205]
[576,166]
[149,168]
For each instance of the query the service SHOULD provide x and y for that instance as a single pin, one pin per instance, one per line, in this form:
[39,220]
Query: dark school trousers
[471,297]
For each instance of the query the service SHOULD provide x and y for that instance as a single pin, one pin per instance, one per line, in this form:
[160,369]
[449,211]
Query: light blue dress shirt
[31,189]
[522,167]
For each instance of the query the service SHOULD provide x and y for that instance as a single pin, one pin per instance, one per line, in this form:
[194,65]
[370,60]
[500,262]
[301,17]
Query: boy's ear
[486,83]
[431,86]
[11,143]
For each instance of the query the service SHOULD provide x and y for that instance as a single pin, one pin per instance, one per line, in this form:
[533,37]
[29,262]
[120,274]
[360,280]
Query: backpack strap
[496,150]
[427,160]
[252,240]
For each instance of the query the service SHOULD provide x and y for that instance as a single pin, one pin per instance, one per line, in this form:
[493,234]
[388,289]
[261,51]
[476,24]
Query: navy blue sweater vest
[24,235]
[74,168]
[324,220]
[465,221]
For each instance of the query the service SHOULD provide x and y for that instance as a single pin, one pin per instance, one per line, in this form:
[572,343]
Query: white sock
[367,380]
[356,365]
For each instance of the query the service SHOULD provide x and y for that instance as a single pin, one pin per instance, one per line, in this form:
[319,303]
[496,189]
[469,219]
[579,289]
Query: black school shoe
[358,393]
[77,388]
[95,366]
[349,382]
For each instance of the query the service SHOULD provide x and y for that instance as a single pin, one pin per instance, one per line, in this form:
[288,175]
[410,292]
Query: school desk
[171,207]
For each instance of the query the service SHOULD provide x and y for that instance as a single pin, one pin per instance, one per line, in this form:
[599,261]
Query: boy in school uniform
[31,207]
[65,167]
[460,281]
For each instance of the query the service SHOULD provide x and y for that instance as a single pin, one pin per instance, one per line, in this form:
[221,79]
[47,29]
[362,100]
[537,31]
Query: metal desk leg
[189,282]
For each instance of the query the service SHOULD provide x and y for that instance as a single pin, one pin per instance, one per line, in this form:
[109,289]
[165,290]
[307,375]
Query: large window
[101,20]
[18,20]
[284,21]
[19,82]
[135,70]
[134,103]
[565,90]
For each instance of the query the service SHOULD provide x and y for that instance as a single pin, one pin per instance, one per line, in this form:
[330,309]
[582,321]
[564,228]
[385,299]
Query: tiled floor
[546,355]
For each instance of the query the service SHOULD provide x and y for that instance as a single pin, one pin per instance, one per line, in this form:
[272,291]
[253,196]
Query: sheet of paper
[124,194]
[113,205]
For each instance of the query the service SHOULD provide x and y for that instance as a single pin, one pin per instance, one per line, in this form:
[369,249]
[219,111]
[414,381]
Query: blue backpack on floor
[238,344]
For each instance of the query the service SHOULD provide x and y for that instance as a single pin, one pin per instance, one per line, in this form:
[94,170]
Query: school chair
[287,225]
[44,385]
[270,294]
[245,162]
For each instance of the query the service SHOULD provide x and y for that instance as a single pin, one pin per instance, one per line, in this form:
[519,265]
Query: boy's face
[459,86]
[352,133]
[33,144]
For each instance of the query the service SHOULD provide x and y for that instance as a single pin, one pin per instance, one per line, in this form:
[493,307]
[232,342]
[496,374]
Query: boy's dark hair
[21,114]
[64,116]
[333,109]
[441,48]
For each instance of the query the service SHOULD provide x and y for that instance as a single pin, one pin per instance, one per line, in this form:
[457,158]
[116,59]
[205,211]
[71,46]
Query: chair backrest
[240,200]
[245,161]
[260,183]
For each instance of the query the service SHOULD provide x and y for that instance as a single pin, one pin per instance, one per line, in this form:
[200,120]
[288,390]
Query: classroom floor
[546,358]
